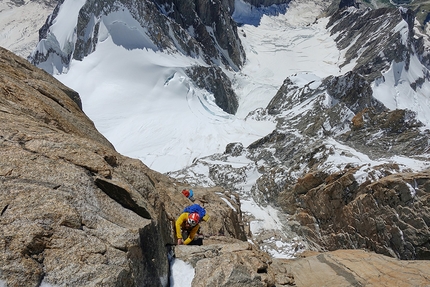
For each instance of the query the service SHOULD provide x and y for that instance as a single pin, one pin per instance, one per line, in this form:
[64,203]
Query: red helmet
[193,218]
[186,193]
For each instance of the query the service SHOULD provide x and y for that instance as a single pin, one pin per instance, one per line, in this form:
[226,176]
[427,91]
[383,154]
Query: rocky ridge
[73,210]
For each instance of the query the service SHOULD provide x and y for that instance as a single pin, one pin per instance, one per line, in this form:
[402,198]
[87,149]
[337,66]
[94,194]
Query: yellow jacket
[180,226]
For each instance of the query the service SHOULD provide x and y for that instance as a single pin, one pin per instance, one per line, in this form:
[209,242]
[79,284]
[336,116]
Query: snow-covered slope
[150,110]
[20,22]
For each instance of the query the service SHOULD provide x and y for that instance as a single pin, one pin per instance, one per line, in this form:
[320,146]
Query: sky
[142,101]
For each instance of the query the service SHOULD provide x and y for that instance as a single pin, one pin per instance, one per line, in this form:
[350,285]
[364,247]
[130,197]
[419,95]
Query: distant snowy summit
[202,30]
[20,22]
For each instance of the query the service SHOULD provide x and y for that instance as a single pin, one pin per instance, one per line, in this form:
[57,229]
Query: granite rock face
[227,263]
[241,264]
[57,225]
[73,210]
[389,216]
[353,268]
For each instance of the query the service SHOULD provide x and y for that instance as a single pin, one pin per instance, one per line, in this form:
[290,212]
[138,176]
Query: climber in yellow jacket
[187,226]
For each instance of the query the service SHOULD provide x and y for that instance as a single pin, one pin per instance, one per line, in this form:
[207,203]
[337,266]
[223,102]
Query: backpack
[197,208]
